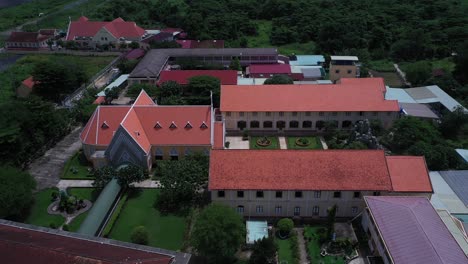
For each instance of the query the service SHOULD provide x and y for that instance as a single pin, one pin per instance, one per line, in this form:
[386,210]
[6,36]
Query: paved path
[302,246]
[64,184]
[324,143]
[48,168]
[237,143]
[282,143]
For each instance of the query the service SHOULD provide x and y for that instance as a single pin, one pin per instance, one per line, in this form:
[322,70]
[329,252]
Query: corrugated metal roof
[413,231]
[307,60]
[250,81]
[458,181]
[398,94]
[119,81]
[444,98]
[444,197]
[344,58]
[454,230]
[418,110]
[463,153]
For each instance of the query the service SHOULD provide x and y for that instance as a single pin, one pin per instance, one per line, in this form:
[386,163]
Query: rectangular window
[297,211]
[375,113]
[348,113]
[259,209]
[278,210]
[308,113]
[259,194]
[321,113]
[362,113]
[240,209]
[221,194]
[241,114]
[334,113]
[315,210]
[228,113]
[254,113]
[298,194]
[281,113]
[357,195]
[337,71]
[336,194]
[350,71]
[267,113]
[158,157]
[354,210]
[294,113]
[240,194]
[279,194]
[317,194]
[376,193]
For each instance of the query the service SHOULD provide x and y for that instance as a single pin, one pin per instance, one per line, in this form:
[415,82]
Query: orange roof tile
[363,94]
[299,170]
[132,124]
[143,99]
[409,174]
[118,28]
[29,82]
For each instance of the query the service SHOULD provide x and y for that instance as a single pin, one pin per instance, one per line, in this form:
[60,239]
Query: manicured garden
[165,231]
[90,194]
[77,167]
[264,143]
[304,143]
[38,214]
[315,236]
[285,253]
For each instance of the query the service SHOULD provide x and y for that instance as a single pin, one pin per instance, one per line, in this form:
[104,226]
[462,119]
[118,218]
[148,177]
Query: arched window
[280,124]
[254,124]
[346,124]
[307,124]
[241,125]
[159,154]
[188,151]
[267,124]
[293,124]
[320,124]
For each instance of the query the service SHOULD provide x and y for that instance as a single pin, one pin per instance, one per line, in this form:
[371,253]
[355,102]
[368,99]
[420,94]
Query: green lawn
[381,65]
[274,143]
[81,193]
[38,214]
[446,64]
[74,169]
[314,143]
[165,231]
[284,251]
[313,248]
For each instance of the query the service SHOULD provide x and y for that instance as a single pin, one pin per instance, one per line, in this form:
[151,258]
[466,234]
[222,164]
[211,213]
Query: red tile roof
[27,37]
[140,119]
[409,174]
[29,82]
[118,28]
[24,245]
[270,68]
[299,170]
[363,94]
[182,77]
[99,100]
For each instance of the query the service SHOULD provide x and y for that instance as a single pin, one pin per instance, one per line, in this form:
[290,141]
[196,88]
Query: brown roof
[20,243]
[26,37]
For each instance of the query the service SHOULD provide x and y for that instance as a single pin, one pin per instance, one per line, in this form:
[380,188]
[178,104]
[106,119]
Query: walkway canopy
[98,213]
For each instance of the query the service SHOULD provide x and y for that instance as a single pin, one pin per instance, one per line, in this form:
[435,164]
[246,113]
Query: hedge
[115,215]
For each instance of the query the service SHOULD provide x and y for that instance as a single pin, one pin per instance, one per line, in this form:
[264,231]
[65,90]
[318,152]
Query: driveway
[48,168]
[237,143]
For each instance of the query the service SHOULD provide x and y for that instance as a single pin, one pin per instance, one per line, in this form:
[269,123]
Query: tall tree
[16,191]
[264,251]
[279,79]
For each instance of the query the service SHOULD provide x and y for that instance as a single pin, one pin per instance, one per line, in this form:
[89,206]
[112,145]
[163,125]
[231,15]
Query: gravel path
[302,245]
[48,168]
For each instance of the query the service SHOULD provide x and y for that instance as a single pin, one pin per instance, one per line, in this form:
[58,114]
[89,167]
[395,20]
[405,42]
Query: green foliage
[264,251]
[170,88]
[218,233]
[279,79]
[65,227]
[38,214]
[331,218]
[461,63]
[453,122]
[126,66]
[418,73]
[181,181]
[235,65]
[438,157]
[129,174]
[115,215]
[134,90]
[140,235]
[134,45]
[102,176]
[285,226]
[16,195]
[203,86]
[164,45]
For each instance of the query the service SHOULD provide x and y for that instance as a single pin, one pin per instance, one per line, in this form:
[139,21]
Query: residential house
[408,230]
[93,34]
[23,243]
[226,77]
[30,40]
[344,67]
[157,60]
[26,87]
[268,70]
[294,108]
[292,183]
[145,132]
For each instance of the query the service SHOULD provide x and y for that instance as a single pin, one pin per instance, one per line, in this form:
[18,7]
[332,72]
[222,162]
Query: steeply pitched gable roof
[118,28]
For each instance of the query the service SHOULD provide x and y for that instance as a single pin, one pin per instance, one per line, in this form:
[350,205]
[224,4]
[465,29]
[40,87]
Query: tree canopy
[218,233]
[279,79]
[16,191]
[264,251]
[135,89]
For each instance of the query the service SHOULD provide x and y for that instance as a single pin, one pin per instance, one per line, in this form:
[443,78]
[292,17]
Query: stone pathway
[282,143]
[302,247]
[237,143]
[64,184]
[48,168]
[324,143]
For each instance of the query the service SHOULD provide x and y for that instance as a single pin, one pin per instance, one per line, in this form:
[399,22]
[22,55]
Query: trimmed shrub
[65,227]
[285,226]
[140,235]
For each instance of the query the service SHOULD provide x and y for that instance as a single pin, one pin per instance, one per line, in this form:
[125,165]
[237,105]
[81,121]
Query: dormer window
[188,125]
[104,125]
[158,125]
[203,125]
[173,125]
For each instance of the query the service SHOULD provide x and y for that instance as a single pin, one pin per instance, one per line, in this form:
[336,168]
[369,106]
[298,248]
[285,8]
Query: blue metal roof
[458,181]
[307,60]
[119,81]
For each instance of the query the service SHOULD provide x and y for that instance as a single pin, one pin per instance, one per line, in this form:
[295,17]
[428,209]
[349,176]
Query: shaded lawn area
[284,251]
[38,214]
[274,143]
[74,169]
[313,248]
[390,78]
[81,193]
[164,231]
[314,143]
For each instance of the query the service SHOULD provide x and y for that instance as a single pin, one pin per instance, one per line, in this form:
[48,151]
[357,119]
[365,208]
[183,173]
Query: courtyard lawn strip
[164,231]
[274,143]
[285,254]
[314,143]
[313,248]
[38,214]
[75,170]
[90,194]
